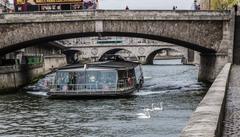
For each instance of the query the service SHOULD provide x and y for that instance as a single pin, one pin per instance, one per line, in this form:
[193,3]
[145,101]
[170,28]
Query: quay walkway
[231,123]
[206,120]
[218,114]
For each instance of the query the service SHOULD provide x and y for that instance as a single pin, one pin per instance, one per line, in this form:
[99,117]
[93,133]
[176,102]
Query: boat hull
[87,95]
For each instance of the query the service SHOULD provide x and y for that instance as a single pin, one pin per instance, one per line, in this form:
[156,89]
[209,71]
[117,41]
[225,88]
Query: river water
[26,115]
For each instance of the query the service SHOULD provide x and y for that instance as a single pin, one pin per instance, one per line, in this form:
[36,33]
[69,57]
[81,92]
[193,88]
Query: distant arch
[72,55]
[150,57]
[114,51]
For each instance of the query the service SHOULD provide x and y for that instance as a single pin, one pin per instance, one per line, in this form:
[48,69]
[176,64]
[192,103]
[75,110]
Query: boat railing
[92,87]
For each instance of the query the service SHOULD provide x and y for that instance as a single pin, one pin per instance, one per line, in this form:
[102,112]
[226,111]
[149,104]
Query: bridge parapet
[58,16]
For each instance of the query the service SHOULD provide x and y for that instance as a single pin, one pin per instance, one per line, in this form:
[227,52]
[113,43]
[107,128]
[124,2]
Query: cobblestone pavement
[231,123]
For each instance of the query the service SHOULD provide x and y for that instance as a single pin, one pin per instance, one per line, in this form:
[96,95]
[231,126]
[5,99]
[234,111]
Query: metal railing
[95,87]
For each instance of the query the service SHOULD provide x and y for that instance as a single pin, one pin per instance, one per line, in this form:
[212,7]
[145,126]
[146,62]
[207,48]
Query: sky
[144,4]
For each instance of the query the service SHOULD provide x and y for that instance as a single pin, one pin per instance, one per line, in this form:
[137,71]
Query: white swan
[148,109]
[146,115]
[142,114]
[159,108]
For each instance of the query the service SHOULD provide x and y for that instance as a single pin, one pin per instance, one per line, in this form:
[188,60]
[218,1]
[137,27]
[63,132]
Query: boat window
[72,78]
[131,73]
[90,80]
[62,78]
[101,79]
[122,74]
[138,72]
[80,77]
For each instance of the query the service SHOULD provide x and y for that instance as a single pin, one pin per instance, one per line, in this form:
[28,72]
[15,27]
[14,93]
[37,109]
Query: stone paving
[231,123]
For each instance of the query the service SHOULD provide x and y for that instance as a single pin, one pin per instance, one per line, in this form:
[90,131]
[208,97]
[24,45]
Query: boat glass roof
[118,65]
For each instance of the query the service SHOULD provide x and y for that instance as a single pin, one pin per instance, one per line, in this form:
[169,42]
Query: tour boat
[108,78]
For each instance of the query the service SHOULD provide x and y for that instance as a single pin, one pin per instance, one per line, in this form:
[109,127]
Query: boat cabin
[105,78]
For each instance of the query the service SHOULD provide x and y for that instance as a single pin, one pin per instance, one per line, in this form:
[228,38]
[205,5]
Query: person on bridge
[174,7]
[127,8]
[235,7]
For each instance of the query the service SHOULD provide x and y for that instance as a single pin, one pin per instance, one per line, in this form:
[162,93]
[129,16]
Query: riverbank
[16,76]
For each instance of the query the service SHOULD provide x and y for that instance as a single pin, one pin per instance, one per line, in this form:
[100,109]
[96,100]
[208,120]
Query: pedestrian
[174,8]
[235,7]
[198,7]
[127,8]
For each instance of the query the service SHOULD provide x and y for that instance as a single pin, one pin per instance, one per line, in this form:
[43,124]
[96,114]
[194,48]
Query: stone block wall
[236,51]
[13,77]
[55,61]
[206,119]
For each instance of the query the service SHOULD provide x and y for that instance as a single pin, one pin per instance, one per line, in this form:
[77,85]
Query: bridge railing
[113,15]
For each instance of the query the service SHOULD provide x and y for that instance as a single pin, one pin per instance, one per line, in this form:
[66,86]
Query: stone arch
[113,51]
[72,55]
[41,40]
[151,55]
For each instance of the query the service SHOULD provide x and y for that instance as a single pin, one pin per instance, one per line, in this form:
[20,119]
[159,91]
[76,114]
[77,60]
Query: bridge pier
[211,65]
[71,55]
[236,55]
[142,60]
[94,58]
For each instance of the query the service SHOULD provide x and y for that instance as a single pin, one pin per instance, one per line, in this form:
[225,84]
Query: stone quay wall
[13,77]
[206,121]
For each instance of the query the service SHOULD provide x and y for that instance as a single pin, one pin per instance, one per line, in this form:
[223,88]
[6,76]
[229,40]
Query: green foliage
[223,4]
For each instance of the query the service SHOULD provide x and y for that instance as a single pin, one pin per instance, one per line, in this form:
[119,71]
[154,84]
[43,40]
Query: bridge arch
[151,55]
[31,42]
[72,55]
[114,51]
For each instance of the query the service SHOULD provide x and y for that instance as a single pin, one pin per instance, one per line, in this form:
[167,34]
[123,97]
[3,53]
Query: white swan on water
[148,109]
[158,108]
[141,114]
[155,108]
[144,115]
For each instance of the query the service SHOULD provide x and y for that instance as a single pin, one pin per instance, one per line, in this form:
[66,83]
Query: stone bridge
[144,53]
[207,32]
[143,50]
